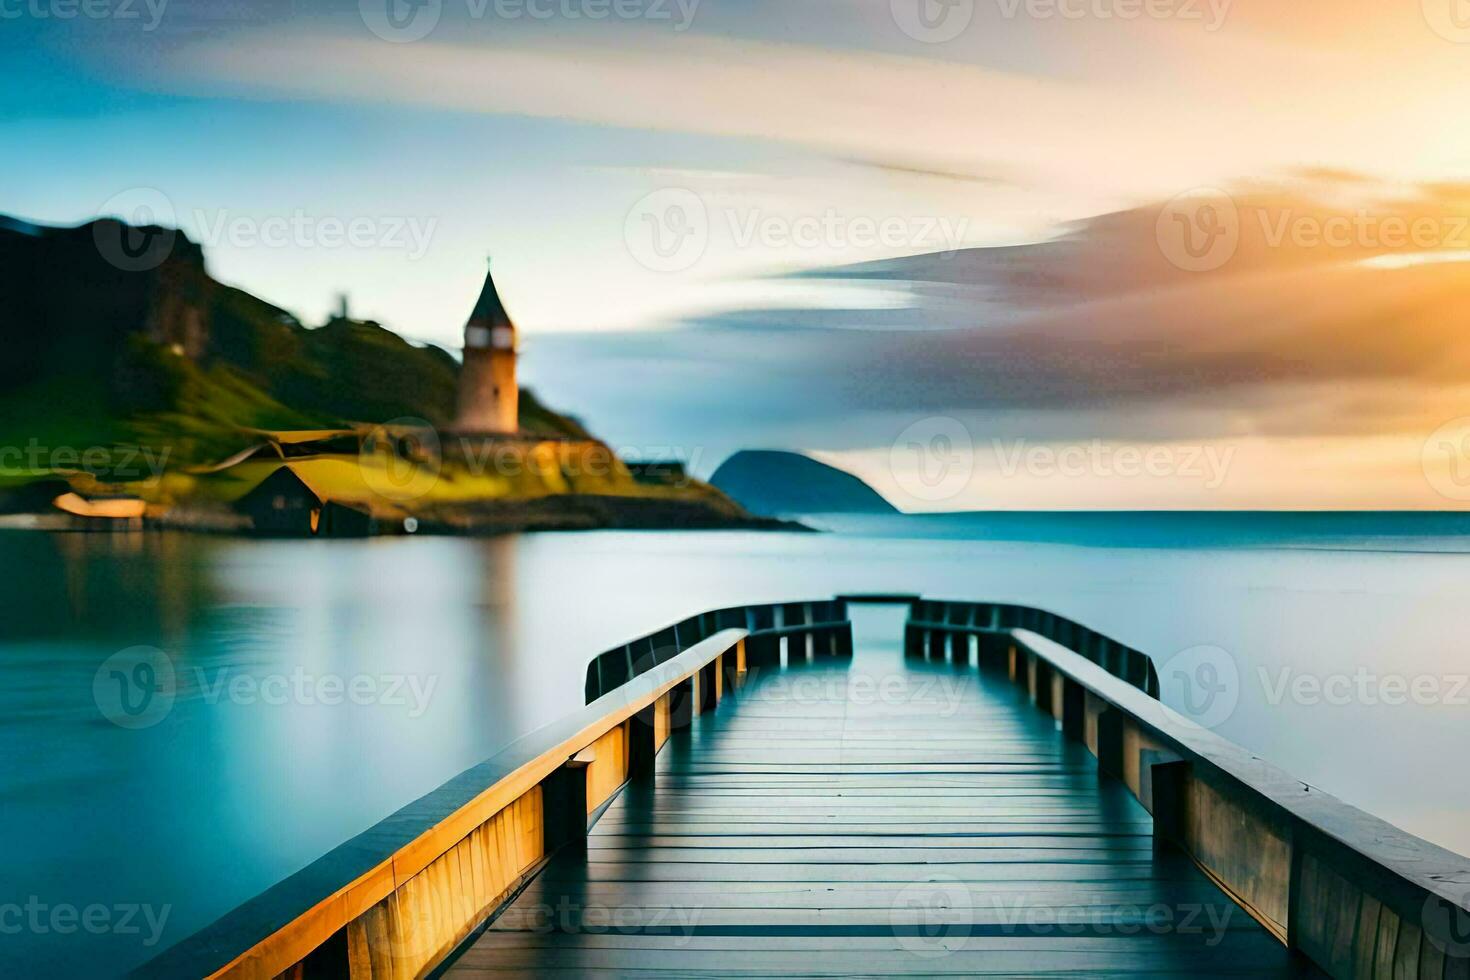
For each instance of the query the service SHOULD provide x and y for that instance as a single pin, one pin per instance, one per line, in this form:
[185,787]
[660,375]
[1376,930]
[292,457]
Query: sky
[1010,254]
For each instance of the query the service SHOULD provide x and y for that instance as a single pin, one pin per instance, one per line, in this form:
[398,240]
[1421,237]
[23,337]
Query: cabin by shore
[286,504]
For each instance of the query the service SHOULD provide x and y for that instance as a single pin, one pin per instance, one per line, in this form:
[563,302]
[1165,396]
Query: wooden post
[704,689]
[1110,742]
[1074,710]
[564,805]
[959,648]
[936,644]
[642,746]
[1162,777]
[763,651]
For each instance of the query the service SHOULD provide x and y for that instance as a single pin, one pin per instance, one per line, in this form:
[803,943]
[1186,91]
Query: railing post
[959,648]
[763,651]
[1110,742]
[564,805]
[1074,710]
[642,747]
[913,642]
[936,644]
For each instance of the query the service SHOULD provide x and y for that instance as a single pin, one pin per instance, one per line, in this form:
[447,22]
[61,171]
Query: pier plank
[826,834]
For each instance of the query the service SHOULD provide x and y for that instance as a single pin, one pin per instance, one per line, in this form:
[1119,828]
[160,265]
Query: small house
[286,504]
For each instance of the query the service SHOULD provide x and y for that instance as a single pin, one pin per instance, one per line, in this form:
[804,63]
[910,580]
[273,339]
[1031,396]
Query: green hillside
[168,357]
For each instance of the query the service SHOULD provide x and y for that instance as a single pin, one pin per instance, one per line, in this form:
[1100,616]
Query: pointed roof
[489,310]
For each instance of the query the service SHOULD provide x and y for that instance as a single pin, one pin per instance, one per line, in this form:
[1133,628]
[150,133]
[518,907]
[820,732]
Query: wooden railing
[935,629]
[1355,895]
[822,626]
[397,900]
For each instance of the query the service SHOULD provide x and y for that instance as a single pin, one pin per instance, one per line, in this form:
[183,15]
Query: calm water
[446,650]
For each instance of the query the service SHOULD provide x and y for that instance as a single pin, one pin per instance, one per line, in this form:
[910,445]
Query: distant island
[138,389]
[768,481]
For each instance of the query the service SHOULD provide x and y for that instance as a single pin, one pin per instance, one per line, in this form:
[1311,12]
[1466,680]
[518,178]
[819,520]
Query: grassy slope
[87,376]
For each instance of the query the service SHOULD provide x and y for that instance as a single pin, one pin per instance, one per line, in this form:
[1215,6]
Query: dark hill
[776,483]
[118,333]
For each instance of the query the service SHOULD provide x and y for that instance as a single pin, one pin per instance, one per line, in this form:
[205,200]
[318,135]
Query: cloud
[1098,334]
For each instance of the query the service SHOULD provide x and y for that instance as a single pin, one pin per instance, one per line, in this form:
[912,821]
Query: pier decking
[873,817]
[747,793]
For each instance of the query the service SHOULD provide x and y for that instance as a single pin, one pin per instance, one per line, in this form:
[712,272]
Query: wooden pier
[748,795]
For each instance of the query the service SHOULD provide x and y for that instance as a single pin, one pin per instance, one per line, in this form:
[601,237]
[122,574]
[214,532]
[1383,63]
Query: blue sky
[755,139]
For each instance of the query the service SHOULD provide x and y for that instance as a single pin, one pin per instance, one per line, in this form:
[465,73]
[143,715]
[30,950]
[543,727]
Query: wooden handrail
[1333,858]
[279,930]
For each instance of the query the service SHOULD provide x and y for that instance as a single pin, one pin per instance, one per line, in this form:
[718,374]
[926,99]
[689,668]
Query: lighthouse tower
[489,401]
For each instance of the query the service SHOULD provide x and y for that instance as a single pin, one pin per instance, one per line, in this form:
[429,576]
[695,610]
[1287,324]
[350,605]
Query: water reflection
[236,786]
